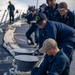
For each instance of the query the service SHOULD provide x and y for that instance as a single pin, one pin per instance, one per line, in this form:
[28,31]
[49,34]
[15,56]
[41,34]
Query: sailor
[42,8]
[33,28]
[55,61]
[11,9]
[63,34]
[65,15]
[51,10]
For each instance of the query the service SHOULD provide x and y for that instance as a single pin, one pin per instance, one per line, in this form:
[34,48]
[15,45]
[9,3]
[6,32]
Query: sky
[23,4]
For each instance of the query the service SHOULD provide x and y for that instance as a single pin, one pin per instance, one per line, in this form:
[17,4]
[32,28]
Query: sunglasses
[61,10]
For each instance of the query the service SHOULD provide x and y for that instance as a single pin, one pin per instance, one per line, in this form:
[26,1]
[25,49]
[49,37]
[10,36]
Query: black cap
[49,1]
[9,1]
[33,10]
[43,5]
[40,17]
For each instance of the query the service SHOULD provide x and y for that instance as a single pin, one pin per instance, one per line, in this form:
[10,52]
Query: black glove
[36,53]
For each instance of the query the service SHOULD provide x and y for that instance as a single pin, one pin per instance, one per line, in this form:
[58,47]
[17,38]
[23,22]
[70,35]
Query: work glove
[37,53]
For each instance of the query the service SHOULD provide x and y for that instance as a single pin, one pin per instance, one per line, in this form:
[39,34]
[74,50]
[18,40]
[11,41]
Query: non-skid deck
[5,56]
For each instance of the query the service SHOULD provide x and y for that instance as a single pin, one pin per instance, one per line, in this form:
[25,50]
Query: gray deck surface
[21,40]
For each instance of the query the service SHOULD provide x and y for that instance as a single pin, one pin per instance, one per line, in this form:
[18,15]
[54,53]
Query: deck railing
[4,15]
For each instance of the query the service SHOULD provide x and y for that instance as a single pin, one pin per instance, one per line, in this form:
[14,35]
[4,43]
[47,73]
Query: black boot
[30,42]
